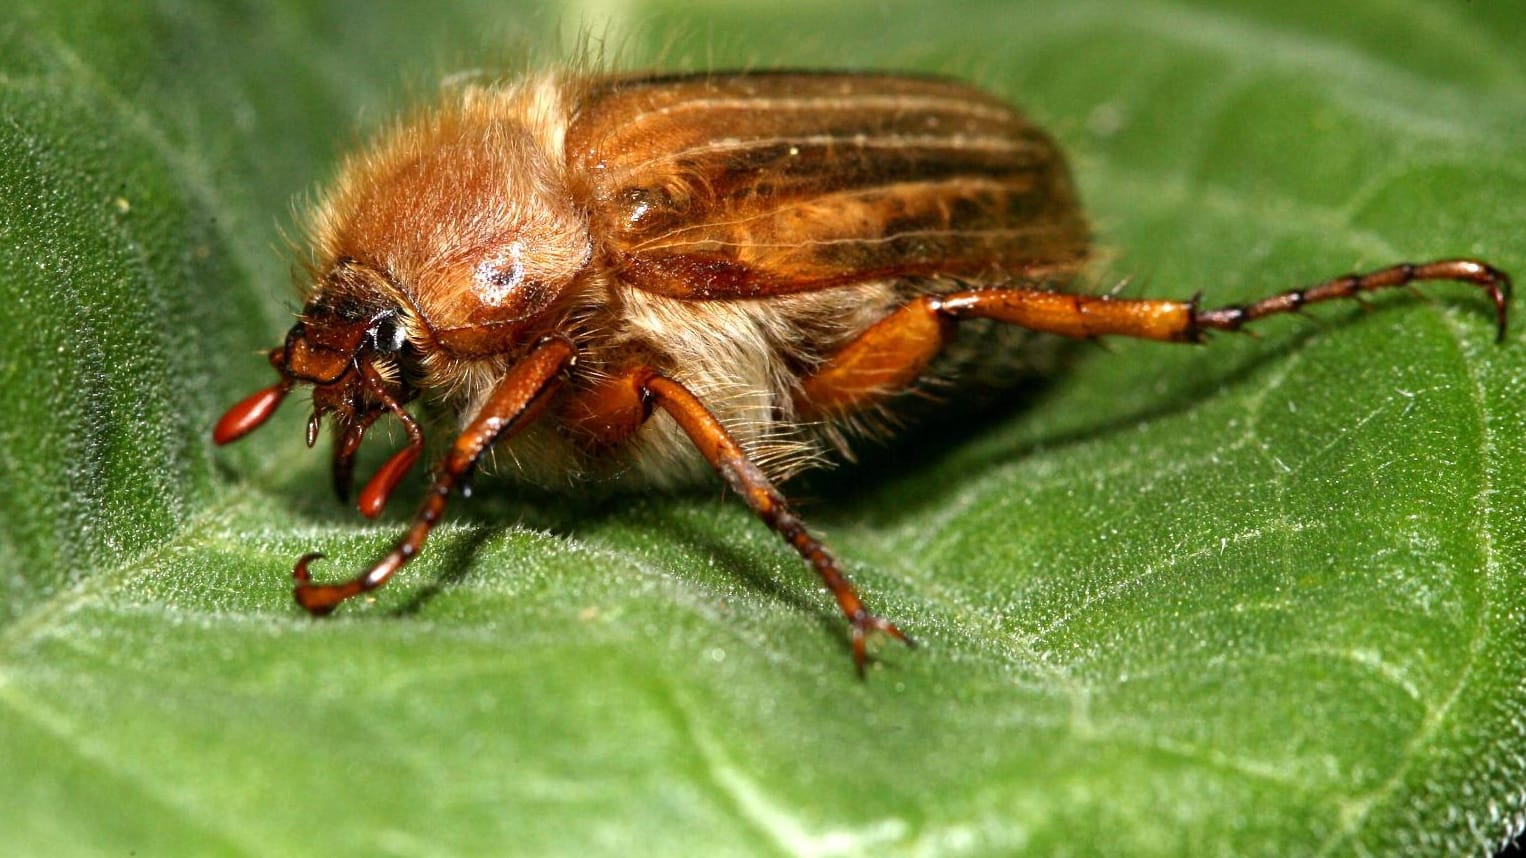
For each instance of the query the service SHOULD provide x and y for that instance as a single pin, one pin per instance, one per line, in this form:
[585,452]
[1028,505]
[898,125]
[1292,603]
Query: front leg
[515,401]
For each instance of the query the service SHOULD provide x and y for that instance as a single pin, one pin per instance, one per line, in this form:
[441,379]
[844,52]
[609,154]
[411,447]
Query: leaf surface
[1259,597]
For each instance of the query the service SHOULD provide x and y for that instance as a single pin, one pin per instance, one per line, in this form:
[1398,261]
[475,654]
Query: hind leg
[893,353]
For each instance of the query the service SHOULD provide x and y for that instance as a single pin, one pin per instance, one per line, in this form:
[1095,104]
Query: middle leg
[610,413]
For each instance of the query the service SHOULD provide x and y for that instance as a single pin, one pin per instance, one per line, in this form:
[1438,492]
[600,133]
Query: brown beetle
[645,275]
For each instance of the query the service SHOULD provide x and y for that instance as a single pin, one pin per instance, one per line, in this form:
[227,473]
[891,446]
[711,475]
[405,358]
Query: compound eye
[387,336]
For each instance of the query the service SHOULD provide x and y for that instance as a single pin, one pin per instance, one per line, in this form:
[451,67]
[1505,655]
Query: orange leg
[515,402]
[613,411]
[893,353]
[608,413]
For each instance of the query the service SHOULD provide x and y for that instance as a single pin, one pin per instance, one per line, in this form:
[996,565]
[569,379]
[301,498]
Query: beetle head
[351,345]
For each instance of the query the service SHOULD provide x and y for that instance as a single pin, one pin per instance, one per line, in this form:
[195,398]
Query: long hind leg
[893,353]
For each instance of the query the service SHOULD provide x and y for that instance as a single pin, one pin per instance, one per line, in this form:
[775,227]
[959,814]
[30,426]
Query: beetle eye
[387,336]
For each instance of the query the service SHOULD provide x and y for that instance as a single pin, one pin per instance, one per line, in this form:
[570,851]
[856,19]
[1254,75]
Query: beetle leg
[894,352]
[748,480]
[515,402]
[1493,281]
[610,412]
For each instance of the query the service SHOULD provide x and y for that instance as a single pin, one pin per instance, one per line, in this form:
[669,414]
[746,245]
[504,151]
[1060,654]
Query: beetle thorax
[477,235]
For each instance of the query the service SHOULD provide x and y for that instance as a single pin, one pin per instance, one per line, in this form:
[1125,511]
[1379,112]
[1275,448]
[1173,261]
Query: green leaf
[1260,597]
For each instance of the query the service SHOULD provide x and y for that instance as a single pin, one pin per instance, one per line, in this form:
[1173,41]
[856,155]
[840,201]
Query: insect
[649,277]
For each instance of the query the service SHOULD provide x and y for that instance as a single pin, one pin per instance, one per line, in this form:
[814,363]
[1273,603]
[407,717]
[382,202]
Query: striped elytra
[653,278]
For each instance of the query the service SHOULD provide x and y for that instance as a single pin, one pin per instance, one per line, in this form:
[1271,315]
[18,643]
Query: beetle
[652,276]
